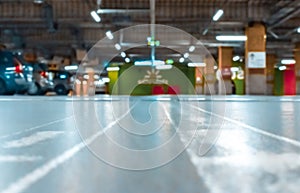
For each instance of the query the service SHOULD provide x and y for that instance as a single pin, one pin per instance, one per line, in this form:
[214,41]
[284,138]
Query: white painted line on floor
[19,158]
[254,129]
[32,139]
[34,128]
[25,182]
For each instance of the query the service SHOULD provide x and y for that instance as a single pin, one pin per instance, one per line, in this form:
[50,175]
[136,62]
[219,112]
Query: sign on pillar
[255,54]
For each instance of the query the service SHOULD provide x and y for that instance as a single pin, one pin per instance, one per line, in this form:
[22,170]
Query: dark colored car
[37,72]
[12,77]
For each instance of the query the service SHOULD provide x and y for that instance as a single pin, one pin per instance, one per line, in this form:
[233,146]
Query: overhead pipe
[284,19]
[152,29]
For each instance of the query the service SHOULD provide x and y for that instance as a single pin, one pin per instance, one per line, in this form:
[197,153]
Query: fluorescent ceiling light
[105,79]
[235,58]
[196,64]
[123,54]
[281,68]
[71,67]
[218,15]
[118,46]
[109,35]
[127,60]
[38,1]
[231,38]
[186,55]
[298,30]
[181,60]
[149,63]
[191,48]
[288,61]
[112,69]
[234,69]
[95,16]
[164,67]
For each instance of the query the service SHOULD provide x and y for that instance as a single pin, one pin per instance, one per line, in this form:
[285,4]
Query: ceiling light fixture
[127,60]
[218,15]
[196,64]
[281,68]
[109,69]
[118,46]
[186,55]
[38,1]
[109,35]
[95,16]
[298,30]
[123,54]
[192,48]
[288,61]
[231,38]
[235,58]
[181,60]
[149,63]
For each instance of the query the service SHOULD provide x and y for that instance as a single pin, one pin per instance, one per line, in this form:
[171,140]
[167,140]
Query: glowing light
[118,46]
[109,35]
[127,60]
[181,60]
[192,48]
[231,38]
[123,54]
[235,58]
[109,69]
[95,16]
[288,61]
[218,15]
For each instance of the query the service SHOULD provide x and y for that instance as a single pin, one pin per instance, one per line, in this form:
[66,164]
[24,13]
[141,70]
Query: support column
[255,54]
[271,61]
[210,78]
[297,67]
[225,63]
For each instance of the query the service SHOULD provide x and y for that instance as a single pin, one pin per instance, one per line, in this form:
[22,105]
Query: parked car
[60,82]
[12,77]
[37,72]
[41,83]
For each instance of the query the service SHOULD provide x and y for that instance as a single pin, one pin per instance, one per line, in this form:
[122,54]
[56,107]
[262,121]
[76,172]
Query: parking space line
[37,174]
[254,129]
[34,128]
[32,139]
[19,158]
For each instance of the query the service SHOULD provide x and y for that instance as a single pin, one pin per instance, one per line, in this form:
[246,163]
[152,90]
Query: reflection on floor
[149,144]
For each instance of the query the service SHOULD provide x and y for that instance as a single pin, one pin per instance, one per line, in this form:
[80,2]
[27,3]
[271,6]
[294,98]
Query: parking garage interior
[181,96]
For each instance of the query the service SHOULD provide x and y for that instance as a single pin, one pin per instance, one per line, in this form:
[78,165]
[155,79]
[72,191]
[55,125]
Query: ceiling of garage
[60,26]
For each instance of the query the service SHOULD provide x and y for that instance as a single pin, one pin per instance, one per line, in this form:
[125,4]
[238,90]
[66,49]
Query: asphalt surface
[161,144]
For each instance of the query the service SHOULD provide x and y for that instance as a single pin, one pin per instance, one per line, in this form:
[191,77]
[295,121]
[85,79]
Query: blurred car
[59,82]
[37,73]
[12,77]
[41,82]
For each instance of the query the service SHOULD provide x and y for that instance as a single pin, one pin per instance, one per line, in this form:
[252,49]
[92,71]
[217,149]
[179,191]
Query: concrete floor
[186,144]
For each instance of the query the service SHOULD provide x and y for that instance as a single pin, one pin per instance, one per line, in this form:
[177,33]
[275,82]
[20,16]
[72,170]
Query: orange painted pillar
[209,76]
[271,61]
[199,80]
[297,67]
[225,63]
[255,55]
